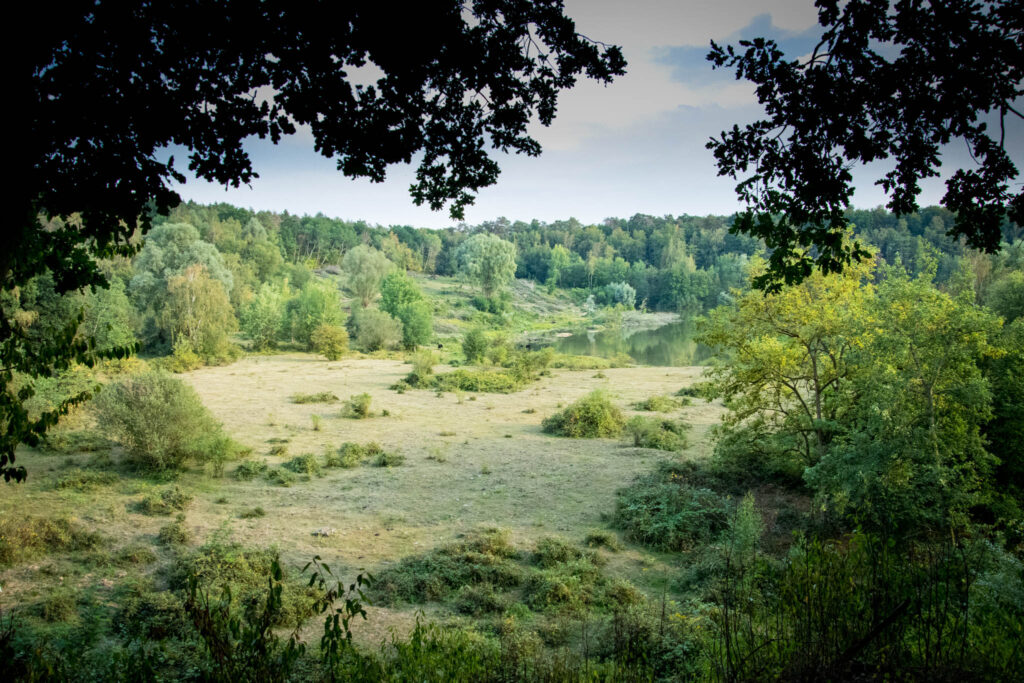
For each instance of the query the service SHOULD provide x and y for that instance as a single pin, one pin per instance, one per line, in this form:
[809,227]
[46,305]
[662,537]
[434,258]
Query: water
[669,345]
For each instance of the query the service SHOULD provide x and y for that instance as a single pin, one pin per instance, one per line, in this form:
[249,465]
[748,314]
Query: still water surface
[669,345]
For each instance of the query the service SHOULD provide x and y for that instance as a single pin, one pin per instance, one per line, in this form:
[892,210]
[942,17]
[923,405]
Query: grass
[381,514]
[322,397]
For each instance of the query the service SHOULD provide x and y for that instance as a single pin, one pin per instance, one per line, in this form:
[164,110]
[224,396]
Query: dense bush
[657,404]
[249,470]
[490,381]
[662,510]
[351,454]
[331,341]
[358,406]
[83,480]
[22,538]
[422,368]
[591,417]
[375,330]
[660,433]
[159,419]
[304,464]
[474,345]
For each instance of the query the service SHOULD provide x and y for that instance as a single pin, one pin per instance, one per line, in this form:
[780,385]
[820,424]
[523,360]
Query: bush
[385,459]
[304,464]
[417,320]
[329,340]
[663,511]
[479,600]
[175,533]
[152,615]
[322,397]
[351,454]
[484,557]
[358,406]
[22,538]
[252,513]
[474,345]
[652,432]
[172,499]
[591,417]
[600,538]
[281,477]
[422,368]
[488,381]
[551,551]
[375,330]
[249,470]
[657,404]
[84,480]
[60,605]
[159,419]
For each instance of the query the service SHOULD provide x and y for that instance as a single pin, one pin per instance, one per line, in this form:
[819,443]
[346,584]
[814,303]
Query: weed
[60,605]
[530,411]
[322,397]
[280,450]
[84,480]
[134,555]
[175,533]
[489,381]
[437,454]
[316,419]
[385,459]
[657,404]
[249,470]
[446,433]
[599,538]
[221,501]
[479,599]
[165,502]
[252,513]
[281,477]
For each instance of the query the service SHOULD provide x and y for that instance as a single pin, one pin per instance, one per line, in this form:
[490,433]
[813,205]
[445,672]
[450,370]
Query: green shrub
[422,368]
[322,397]
[152,615]
[489,381]
[304,464]
[22,538]
[566,584]
[61,604]
[279,450]
[375,330]
[551,551]
[84,480]
[331,341]
[591,417]
[657,404]
[569,362]
[75,441]
[174,534]
[479,600]
[249,470]
[385,459]
[281,477]
[252,513]
[474,345]
[663,511]
[599,538]
[159,419]
[358,406]
[134,555]
[660,433]
[351,454]
[483,557]
[169,500]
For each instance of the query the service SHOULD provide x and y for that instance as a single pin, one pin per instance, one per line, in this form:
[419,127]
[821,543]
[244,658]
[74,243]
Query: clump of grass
[322,397]
[151,614]
[401,387]
[551,551]
[134,555]
[483,557]
[351,454]
[281,477]
[570,362]
[306,463]
[252,513]
[660,433]
[591,417]
[249,470]
[316,419]
[385,459]
[175,533]
[437,454]
[422,362]
[600,375]
[599,538]
[84,480]
[692,391]
[657,404]
[173,499]
[75,441]
[358,406]
[479,600]
[222,500]
[280,450]
[530,411]
[446,433]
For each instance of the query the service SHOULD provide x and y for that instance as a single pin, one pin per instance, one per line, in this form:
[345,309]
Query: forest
[836,492]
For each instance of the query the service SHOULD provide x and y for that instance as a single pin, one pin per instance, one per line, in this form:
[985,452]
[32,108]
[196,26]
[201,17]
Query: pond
[669,345]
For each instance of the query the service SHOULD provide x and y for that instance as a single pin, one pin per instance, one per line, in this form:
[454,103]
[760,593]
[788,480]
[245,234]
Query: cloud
[689,63]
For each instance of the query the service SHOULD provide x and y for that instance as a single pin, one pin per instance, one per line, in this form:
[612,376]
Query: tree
[401,298]
[488,261]
[364,268]
[886,81]
[197,312]
[264,318]
[317,304]
[108,87]
[110,319]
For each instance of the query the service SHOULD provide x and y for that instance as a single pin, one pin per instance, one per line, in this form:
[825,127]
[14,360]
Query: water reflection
[670,345]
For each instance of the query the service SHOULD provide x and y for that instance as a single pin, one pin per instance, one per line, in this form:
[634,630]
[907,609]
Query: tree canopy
[887,81]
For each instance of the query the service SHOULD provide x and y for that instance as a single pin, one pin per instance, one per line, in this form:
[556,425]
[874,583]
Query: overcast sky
[635,146]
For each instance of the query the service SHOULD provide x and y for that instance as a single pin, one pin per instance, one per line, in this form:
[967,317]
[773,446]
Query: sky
[634,146]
